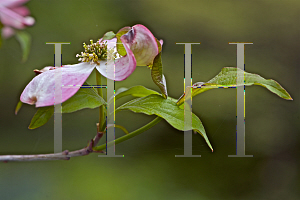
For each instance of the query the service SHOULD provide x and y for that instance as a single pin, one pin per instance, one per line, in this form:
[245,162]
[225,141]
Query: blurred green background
[149,169]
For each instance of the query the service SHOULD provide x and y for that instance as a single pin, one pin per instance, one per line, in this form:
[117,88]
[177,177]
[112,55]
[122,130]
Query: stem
[130,135]
[101,108]
[65,155]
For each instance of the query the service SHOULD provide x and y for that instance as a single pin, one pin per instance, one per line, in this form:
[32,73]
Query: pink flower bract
[141,48]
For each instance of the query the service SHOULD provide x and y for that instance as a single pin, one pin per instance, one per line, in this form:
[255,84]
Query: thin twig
[65,155]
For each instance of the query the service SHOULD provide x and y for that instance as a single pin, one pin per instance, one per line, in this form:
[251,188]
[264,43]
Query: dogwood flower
[141,48]
[14,16]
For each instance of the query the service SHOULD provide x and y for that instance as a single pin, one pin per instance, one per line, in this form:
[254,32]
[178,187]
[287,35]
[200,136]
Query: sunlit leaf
[228,77]
[167,109]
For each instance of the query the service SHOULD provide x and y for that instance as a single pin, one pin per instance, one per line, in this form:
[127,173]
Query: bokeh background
[149,169]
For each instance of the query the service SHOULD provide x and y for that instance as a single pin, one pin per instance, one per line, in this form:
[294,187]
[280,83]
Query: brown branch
[65,155]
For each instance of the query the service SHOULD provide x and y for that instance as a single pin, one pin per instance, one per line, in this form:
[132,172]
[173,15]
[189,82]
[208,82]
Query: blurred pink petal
[28,21]
[22,10]
[41,89]
[161,42]
[7,32]
[12,3]
[14,15]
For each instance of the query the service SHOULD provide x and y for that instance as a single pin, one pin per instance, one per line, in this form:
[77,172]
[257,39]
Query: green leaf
[41,117]
[18,107]
[157,75]
[84,98]
[227,78]
[167,109]
[25,42]
[120,48]
[135,91]
[109,35]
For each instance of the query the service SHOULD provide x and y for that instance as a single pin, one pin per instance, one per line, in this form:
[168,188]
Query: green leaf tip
[109,35]
[18,107]
[41,117]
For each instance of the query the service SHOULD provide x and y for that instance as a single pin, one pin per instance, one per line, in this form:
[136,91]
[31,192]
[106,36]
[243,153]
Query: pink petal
[28,21]
[121,68]
[7,32]
[142,43]
[161,42]
[110,43]
[41,89]
[22,10]
[37,72]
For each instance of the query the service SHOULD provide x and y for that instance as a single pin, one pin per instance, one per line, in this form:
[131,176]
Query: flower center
[95,52]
